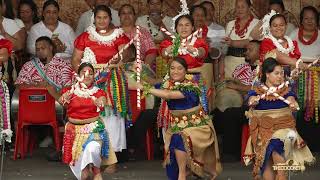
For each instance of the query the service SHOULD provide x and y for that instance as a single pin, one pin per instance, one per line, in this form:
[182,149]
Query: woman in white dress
[238,36]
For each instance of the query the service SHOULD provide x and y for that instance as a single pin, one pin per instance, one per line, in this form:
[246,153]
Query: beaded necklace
[241,32]
[310,41]
[150,28]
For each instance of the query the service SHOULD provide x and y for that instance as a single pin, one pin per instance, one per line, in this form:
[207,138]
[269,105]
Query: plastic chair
[135,114]
[36,107]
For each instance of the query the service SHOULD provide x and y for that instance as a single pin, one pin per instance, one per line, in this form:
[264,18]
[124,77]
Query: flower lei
[105,40]
[310,41]
[241,32]
[5,126]
[85,92]
[280,47]
[186,86]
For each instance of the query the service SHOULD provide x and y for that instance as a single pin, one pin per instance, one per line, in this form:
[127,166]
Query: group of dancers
[97,102]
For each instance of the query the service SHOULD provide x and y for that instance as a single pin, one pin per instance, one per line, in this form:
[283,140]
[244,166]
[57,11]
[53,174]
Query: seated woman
[27,12]
[128,18]
[199,14]
[190,141]
[61,34]
[86,143]
[274,138]
[238,34]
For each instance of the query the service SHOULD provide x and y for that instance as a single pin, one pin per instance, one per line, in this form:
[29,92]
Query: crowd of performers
[95,91]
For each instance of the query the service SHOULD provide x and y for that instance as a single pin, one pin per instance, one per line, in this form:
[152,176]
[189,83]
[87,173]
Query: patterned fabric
[102,52]
[58,70]
[244,74]
[147,44]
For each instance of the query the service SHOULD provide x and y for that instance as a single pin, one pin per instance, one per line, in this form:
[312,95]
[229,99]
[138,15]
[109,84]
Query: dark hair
[9,9]
[148,1]
[83,65]
[268,66]
[310,8]
[50,2]
[193,8]
[183,16]
[181,61]
[207,2]
[49,41]
[277,16]
[279,2]
[102,8]
[126,5]
[33,7]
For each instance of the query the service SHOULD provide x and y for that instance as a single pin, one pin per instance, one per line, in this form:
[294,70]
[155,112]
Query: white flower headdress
[184,11]
[88,56]
[266,23]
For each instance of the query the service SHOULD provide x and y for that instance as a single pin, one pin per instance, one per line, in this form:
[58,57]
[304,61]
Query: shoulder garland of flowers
[186,86]
[105,40]
[85,93]
[280,47]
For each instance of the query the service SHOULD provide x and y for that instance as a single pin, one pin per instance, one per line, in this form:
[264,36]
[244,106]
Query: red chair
[36,107]
[135,114]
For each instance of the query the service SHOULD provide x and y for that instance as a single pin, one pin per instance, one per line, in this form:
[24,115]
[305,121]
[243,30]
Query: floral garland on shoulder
[85,93]
[187,85]
[105,40]
[280,47]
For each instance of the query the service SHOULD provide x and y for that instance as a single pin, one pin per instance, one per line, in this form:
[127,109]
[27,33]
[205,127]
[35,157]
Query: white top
[19,23]
[311,51]
[64,31]
[231,26]
[86,20]
[156,33]
[10,26]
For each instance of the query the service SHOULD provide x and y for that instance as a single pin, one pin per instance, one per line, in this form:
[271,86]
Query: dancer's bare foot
[85,173]
[213,175]
[97,177]
[111,169]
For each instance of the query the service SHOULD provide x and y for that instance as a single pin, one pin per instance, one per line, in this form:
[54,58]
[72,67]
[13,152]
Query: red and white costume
[104,48]
[58,70]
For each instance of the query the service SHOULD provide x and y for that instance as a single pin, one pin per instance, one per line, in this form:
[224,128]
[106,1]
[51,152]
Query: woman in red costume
[106,41]
[86,142]
[194,51]
[275,44]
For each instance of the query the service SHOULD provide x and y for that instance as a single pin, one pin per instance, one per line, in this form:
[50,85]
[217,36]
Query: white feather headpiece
[184,11]
[88,56]
[266,23]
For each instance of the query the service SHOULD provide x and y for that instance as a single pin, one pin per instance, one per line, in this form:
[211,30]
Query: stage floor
[38,168]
